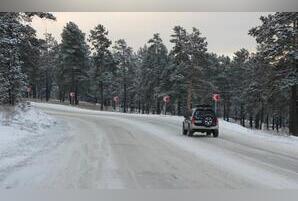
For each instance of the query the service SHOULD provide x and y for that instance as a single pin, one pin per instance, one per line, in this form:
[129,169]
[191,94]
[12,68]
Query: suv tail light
[215,121]
[193,120]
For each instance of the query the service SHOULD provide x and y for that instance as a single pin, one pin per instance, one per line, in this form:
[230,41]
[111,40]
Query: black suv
[200,119]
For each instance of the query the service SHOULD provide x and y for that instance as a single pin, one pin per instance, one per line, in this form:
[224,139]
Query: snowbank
[29,118]
[20,126]
[257,135]
[22,121]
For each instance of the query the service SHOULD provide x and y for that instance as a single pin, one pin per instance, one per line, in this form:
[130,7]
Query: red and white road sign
[166,99]
[72,94]
[216,97]
[116,99]
[29,89]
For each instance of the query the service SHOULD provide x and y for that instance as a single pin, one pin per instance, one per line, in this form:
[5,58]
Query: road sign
[116,99]
[166,99]
[216,97]
[29,89]
[72,94]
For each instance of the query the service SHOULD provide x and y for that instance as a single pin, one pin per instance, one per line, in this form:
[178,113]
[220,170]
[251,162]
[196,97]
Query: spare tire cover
[208,121]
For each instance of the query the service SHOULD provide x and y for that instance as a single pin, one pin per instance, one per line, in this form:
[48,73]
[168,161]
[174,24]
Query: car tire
[184,132]
[215,133]
[189,132]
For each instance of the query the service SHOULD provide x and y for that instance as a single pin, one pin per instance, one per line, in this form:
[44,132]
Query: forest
[257,89]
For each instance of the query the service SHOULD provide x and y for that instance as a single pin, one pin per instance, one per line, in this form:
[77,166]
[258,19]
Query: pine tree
[74,63]
[47,64]
[30,50]
[238,75]
[222,75]
[15,34]
[12,77]
[180,56]
[138,83]
[189,53]
[153,65]
[123,56]
[102,60]
[277,38]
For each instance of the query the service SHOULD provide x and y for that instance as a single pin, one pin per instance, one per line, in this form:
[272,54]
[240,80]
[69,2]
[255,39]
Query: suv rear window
[202,112]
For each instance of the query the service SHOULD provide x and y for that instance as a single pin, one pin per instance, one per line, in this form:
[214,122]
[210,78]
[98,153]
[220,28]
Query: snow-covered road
[112,150]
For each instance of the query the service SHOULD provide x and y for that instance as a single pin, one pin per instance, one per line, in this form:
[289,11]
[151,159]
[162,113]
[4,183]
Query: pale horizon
[226,32]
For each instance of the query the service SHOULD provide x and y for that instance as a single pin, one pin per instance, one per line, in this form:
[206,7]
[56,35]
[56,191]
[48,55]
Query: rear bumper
[203,128]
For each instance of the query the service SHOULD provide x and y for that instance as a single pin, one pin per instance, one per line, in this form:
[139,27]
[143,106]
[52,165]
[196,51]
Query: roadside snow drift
[22,130]
[22,121]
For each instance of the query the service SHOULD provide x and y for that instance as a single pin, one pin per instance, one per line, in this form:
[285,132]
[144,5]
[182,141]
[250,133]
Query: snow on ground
[238,150]
[21,122]
[22,133]
[260,134]
[232,128]
[232,164]
[227,131]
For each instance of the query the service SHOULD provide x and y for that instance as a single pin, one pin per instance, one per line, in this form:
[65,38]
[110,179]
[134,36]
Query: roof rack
[204,106]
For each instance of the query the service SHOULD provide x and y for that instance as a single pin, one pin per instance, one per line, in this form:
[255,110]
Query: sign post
[29,89]
[116,101]
[72,95]
[166,99]
[216,98]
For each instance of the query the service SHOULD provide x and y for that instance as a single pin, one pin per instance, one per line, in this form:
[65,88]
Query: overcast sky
[225,32]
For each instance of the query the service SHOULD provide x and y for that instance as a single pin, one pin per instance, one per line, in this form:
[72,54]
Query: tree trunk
[293,116]
[147,108]
[242,116]
[47,87]
[243,120]
[158,111]
[280,121]
[76,93]
[63,96]
[228,110]
[224,111]
[257,121]
[143,108]
[34,90]
[179,108]
[124,99]
[101,95]
[114,105]
[189,95]
[267,122]
[250,121]
[276,123]
[262,117]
